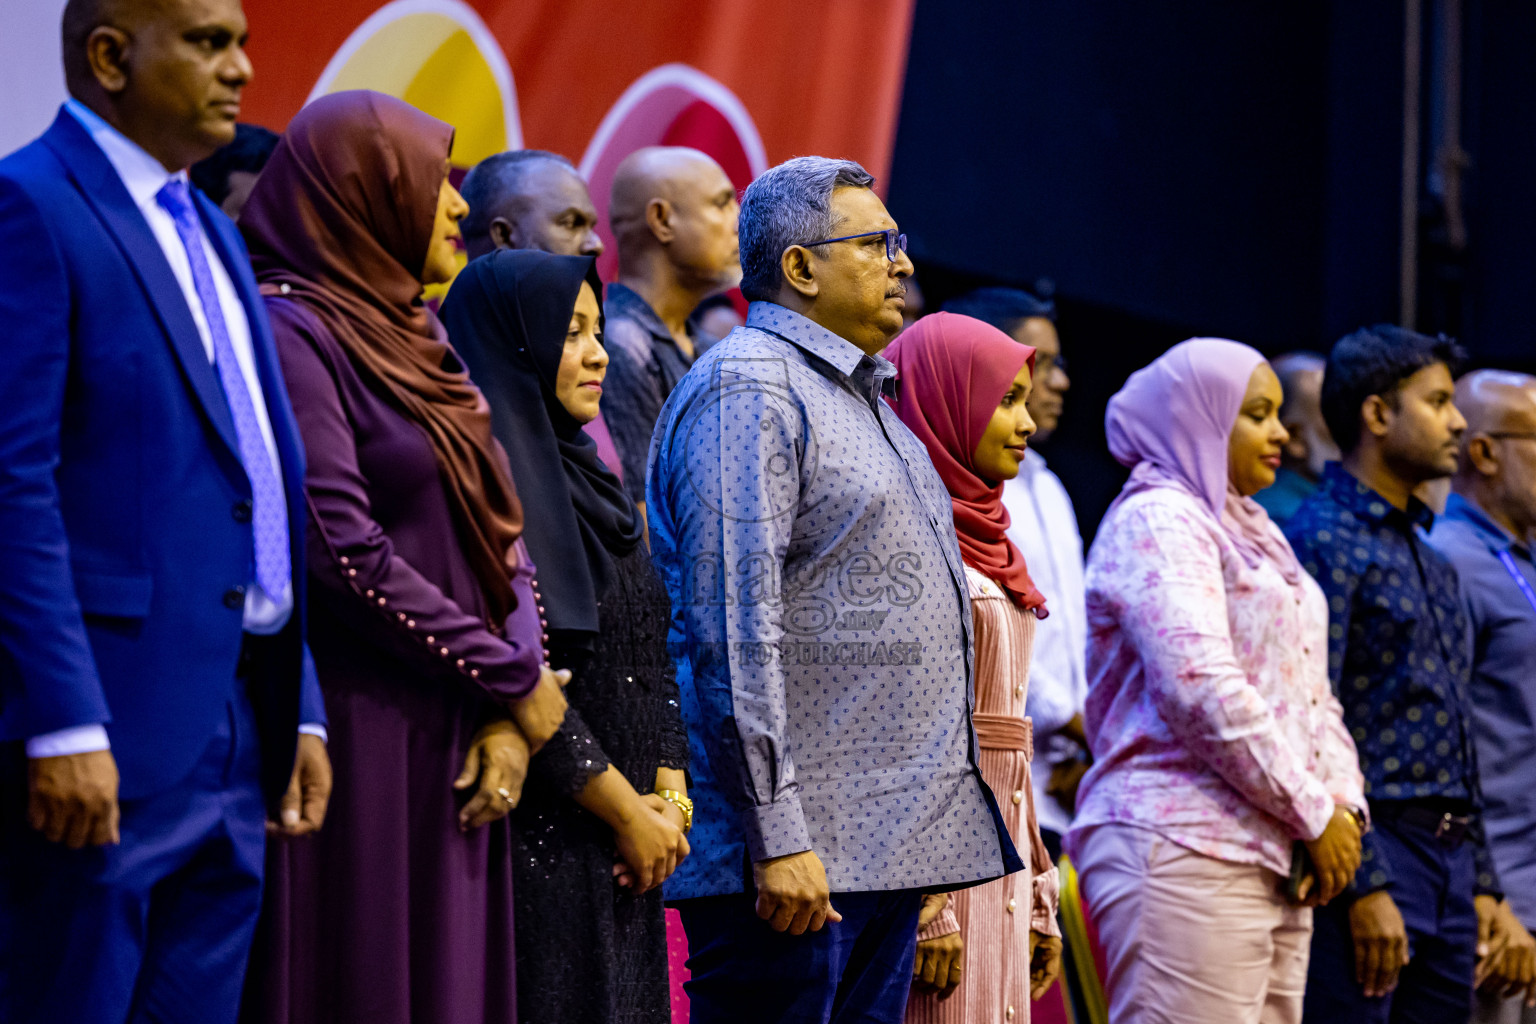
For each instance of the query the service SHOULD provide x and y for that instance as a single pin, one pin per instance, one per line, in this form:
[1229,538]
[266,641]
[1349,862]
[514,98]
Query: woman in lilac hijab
[1220,753]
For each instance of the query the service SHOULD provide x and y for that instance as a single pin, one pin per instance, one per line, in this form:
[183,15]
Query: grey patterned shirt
[821,619]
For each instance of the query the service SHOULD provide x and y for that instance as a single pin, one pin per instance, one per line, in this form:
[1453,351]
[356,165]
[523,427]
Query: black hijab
[507,316]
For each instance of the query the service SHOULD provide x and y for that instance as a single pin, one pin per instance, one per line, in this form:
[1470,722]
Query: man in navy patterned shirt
[819,597]
[1401,946]
[673,212]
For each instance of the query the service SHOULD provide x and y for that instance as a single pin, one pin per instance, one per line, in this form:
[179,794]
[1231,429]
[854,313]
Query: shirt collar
[841,354]
[625,302]
[1459,509]
[1292,482]
[1366,503]
[142,174]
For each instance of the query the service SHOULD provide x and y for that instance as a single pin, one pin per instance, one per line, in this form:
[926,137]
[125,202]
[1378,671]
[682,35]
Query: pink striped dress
[995,919]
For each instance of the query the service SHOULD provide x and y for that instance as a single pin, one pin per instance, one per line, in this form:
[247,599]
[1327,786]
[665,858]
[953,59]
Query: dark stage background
[1232,170]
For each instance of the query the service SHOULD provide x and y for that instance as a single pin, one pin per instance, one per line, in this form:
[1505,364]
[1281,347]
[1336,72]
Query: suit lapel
[104,191]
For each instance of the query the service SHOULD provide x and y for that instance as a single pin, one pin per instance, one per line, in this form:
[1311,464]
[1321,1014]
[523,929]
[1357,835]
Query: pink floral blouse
[1209,708]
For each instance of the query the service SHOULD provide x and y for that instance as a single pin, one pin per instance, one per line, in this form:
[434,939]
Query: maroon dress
[390,915]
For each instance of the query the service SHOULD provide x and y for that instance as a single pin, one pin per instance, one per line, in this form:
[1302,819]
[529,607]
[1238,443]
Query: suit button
[234,598]
[242,511]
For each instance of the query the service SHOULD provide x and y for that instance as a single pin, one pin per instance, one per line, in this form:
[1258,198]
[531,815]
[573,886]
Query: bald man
[1310,447]
[152,655]
[1487,532]
[673,214]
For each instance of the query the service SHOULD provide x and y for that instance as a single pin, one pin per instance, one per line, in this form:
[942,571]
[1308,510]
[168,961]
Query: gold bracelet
[682,803]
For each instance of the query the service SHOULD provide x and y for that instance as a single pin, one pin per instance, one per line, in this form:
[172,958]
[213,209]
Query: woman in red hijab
[961,386]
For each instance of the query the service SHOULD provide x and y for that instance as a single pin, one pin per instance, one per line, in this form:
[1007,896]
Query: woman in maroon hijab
[961,386]
[425,626]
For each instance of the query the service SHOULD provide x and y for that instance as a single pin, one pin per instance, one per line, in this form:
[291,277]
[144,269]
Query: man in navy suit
[155,695]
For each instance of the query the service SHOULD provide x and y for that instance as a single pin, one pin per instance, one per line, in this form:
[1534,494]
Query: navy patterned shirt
[644,365]
[823,627]
[1397,653]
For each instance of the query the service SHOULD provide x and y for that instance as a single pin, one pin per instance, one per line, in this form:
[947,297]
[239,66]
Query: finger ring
[506,795]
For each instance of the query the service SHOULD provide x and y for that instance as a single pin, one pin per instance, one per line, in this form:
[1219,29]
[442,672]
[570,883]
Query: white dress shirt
[144,177]
[1044,526]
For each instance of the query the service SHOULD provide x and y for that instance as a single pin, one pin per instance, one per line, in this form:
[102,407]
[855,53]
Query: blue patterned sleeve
[724,488]
[1323,554]
[1487,881]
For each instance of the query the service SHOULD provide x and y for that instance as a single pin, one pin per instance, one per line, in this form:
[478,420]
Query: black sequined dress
[588,952]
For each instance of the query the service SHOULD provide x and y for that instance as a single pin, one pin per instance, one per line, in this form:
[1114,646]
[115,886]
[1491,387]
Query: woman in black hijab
[589,850]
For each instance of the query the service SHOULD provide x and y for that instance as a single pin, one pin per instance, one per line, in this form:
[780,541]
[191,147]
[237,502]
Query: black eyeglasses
[1511,435]
[893,242]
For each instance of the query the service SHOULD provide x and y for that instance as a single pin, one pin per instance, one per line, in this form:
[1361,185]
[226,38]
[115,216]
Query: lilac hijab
[1171,423]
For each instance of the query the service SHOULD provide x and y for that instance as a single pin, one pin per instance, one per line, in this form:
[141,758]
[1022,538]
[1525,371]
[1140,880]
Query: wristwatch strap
[682,803]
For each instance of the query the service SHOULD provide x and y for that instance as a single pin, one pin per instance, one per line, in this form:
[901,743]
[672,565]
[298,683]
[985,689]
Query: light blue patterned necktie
[269,516]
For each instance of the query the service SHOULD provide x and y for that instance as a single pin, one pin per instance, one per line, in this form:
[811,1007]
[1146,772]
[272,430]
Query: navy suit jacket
[125,515]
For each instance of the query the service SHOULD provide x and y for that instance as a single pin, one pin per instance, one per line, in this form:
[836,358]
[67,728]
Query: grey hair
[790,204]
[1289,367]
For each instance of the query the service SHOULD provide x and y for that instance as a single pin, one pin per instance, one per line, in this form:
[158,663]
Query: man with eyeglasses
[1487,533]
[809,548]
[1044,526]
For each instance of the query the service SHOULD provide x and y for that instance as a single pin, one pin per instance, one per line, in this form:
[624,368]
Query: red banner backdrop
[752,82]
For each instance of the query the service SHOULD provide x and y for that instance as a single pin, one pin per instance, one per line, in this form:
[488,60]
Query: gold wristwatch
[682,803]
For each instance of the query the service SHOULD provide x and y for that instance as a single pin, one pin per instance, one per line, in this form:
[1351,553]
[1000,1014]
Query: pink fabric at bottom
[995,919]
[1191,939]
[677,966]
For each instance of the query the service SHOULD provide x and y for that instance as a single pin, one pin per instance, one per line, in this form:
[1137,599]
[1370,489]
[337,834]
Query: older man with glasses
[1487,533]
[809,548]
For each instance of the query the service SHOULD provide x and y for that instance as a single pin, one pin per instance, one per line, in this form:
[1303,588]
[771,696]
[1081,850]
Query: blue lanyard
[1519,578]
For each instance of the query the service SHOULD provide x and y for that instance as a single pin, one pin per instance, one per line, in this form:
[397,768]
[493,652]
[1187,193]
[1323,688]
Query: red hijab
[952,371]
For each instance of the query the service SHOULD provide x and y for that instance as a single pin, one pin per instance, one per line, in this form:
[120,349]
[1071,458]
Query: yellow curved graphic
[455,84]
[426,55]
[439,57]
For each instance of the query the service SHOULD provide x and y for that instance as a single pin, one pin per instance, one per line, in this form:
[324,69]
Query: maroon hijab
[340,221]
[952,371]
